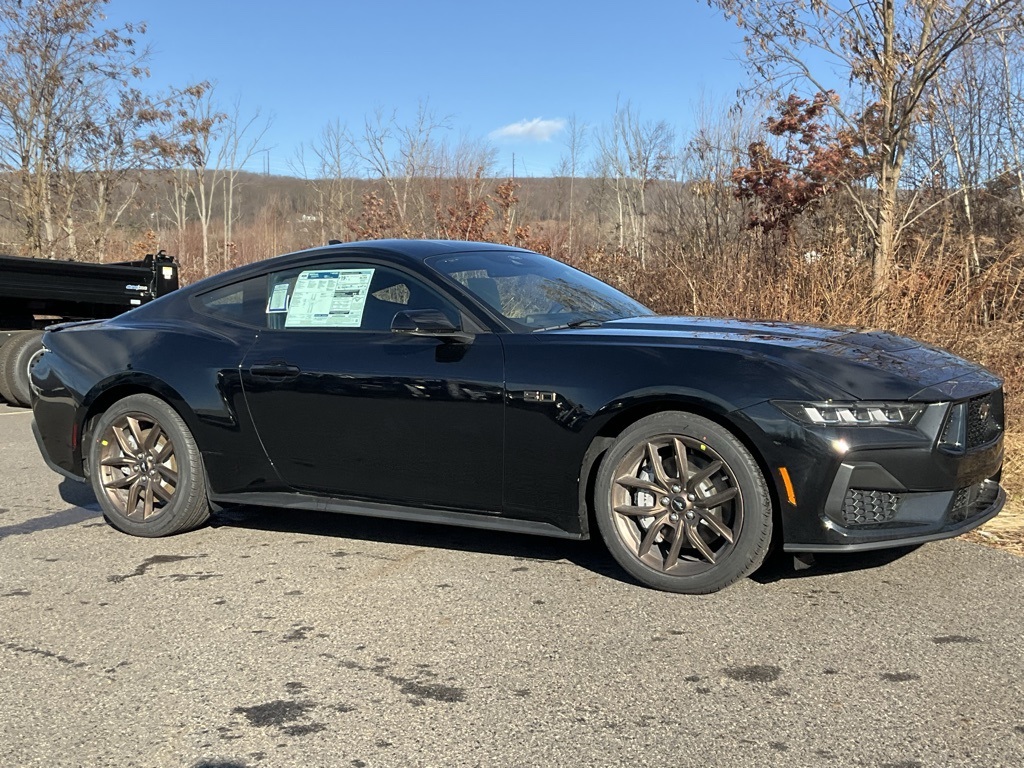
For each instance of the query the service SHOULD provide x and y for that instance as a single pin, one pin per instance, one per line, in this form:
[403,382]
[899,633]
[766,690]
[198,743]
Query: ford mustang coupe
[487,386]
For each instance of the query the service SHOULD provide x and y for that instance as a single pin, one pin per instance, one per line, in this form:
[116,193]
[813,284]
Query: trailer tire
[5,335]
[19,360]
[10,340]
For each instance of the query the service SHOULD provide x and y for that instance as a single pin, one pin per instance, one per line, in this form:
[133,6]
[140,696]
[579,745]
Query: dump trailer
[35,293]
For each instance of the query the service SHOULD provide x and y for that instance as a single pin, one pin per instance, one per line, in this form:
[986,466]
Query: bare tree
[401,156]
[570,166]
[895,50]
[961,128]
[330,172]
[701,213]
[125,137]
[1012,110]
[200,127]
[66,95]
[464,158]
[633,154]
[242,139]
[178,202]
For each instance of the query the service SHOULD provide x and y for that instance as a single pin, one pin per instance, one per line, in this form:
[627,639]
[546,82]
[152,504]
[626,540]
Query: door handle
[275,370]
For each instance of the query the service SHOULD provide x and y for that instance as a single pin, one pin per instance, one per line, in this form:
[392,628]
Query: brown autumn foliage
[815,160]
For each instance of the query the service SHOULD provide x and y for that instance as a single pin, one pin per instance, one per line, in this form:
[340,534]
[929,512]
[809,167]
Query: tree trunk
[885,241]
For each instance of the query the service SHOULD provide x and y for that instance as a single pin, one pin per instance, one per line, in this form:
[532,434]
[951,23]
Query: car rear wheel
[146,470]
[682,505]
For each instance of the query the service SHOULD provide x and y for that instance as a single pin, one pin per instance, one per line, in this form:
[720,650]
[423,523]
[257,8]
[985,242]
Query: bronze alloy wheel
[146,468]
[676,504]
[682,504]
[138,467]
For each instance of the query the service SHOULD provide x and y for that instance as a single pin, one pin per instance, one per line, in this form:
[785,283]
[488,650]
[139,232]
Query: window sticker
[329,298]
[278,299]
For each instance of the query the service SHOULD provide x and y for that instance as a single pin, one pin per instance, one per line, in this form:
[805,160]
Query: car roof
[408,250]
[401,251]
[419,249]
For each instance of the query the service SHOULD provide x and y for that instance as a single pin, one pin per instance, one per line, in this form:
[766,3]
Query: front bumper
[862,488]
[882,519]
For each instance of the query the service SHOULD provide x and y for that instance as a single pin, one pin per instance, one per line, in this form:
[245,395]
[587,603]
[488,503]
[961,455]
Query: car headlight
[862,414]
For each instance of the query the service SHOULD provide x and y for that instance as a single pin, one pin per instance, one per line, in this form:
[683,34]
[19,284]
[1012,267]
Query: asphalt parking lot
[281,638]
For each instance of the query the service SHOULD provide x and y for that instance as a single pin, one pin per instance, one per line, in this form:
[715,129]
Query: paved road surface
[276,638]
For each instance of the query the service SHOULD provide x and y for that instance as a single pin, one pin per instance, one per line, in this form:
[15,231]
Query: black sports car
[488,386]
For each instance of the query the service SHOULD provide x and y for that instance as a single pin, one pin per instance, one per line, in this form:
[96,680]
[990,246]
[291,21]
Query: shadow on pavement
[51,521]
[79,494]
[590,555]
[85,508]
[780,565]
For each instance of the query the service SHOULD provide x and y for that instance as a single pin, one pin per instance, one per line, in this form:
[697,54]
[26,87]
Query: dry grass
[1004,532]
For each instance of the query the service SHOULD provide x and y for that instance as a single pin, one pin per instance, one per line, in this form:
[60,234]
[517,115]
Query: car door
[345,407]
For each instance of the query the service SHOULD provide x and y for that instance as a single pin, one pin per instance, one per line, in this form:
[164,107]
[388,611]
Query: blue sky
[505,72]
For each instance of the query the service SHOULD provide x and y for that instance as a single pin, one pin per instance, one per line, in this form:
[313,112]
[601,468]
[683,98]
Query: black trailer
[35,293]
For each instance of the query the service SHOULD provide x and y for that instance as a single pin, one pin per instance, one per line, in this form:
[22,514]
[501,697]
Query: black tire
[705,531]
[146,469]
[11,340]
[20,359]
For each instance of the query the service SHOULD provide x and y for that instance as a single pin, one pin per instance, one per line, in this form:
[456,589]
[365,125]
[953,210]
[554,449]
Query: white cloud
[530,130]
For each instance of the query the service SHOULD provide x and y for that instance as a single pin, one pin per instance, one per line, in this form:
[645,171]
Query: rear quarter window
[244,303]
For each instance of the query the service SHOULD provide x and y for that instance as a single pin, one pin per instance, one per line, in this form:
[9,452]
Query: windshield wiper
[584,322]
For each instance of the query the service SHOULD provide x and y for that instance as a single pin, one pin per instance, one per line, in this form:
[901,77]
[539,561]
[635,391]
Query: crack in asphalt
[148,563]
[44,653]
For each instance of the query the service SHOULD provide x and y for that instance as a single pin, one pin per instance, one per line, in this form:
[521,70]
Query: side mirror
[429,322]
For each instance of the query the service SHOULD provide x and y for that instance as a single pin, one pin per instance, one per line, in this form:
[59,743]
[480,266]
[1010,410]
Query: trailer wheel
[9,339]
[5,335]
[19,366]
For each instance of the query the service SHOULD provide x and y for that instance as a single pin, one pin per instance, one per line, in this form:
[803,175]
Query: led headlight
[866,414]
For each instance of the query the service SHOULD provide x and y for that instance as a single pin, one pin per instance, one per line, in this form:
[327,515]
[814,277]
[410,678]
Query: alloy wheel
[677,505]
[138,466]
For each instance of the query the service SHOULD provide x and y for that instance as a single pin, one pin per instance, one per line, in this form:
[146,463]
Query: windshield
[534,293]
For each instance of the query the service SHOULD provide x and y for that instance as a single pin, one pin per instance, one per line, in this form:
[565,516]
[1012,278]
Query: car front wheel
[146,470]
[682,505]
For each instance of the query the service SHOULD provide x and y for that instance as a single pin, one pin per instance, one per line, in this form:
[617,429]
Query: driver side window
[363,297]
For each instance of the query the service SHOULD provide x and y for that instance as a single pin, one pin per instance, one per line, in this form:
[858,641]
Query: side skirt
[393,512]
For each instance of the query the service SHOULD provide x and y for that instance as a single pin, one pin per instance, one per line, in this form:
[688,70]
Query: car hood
[867,364]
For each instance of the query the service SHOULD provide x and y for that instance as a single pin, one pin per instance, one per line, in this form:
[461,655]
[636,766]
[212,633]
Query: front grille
[984,419]
[869,507]
[972,501]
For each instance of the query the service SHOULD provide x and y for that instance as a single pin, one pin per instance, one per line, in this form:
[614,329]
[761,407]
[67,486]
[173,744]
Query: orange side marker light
[788,483]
